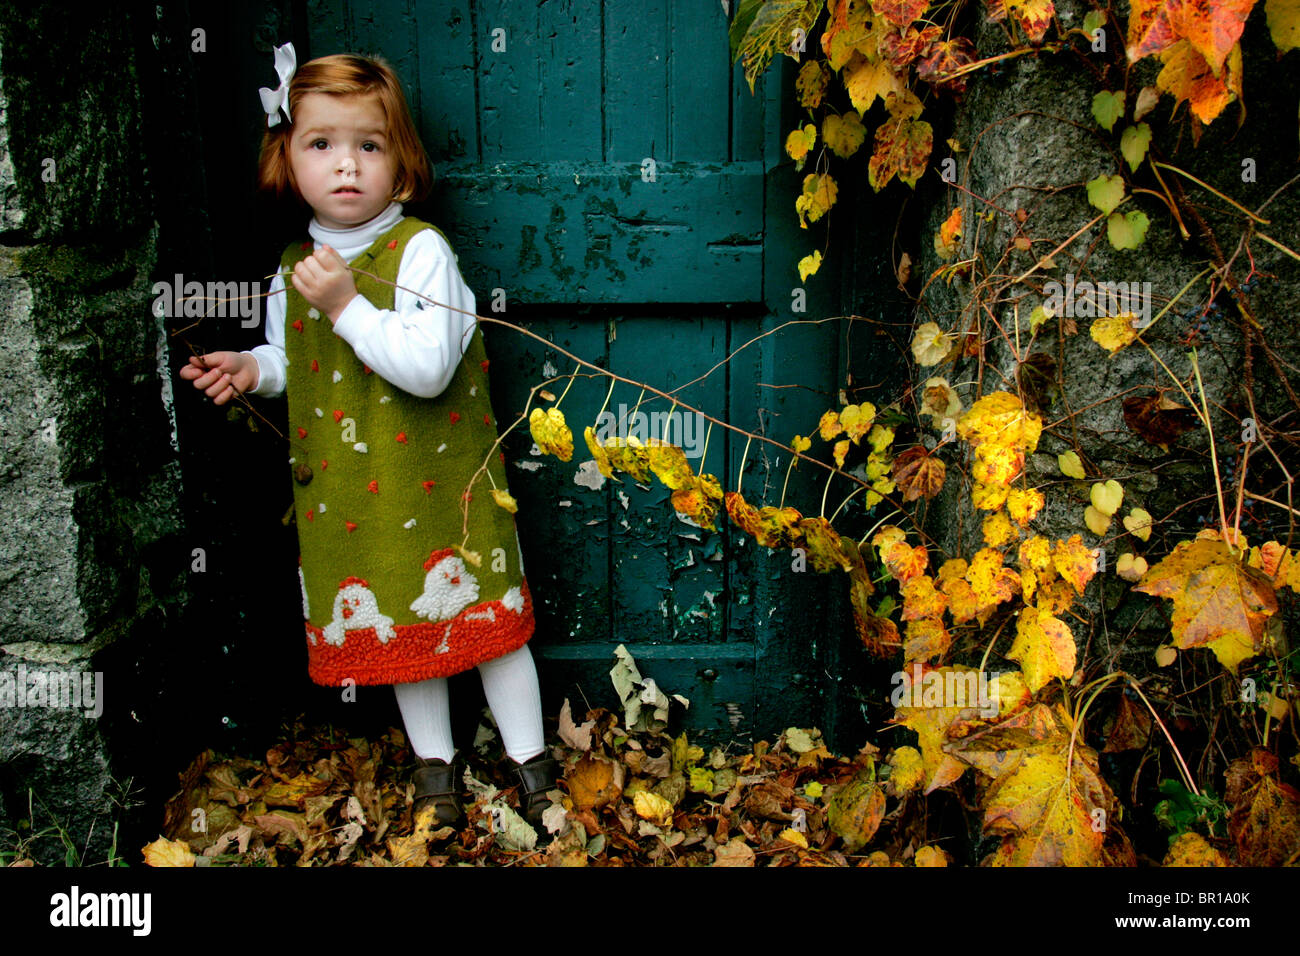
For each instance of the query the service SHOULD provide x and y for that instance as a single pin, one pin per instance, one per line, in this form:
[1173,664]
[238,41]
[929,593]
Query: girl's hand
[222,375]
[325,281]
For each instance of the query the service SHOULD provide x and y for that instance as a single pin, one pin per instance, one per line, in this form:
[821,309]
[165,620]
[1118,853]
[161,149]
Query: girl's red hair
[346,74]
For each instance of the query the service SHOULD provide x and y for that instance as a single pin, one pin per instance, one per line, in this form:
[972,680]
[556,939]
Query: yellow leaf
[1130,568]
[1097,521]
[843,134]
[790,835]
[1023,504]
[907,772]
[551,433]
[669,464]
[1075,562]
[1283,23]
[998,530]
[1070,464]
[598,453]
[1107,496]
[930,856]
[650,806]
[800,141]
[829,426]
[1192,849]
[164,852]
[1113,332]
[801,444]
[930,344]
[505,500]
[865,80]
[1138,524]
[1044,647]
[819,194]
[1166,655]
[1218,601]
[809,265]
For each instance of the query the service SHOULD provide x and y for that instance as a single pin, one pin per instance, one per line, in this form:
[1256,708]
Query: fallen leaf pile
[625,798]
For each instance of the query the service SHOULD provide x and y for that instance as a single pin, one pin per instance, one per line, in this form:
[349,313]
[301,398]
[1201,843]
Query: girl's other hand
[325,281]
[222,375]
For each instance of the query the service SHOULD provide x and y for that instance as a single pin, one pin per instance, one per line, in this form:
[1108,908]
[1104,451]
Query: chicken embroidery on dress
[448,587]
[355,609]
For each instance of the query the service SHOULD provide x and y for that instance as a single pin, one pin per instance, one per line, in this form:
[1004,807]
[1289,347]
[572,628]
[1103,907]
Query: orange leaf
[903,143]
[906,562]
[1044,647]
[919,474]
[900,12]
[1186,76]
[920,599]
[927,639]
[1074,561]
[1216,599]
[1211,27]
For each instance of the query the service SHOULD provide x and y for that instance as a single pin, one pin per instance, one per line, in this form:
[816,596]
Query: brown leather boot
[536,777]
[436,786]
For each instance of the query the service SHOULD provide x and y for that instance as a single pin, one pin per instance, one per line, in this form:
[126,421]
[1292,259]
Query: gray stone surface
[89,483]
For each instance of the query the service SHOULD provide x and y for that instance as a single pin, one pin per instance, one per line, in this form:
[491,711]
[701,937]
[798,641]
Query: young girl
[389,418]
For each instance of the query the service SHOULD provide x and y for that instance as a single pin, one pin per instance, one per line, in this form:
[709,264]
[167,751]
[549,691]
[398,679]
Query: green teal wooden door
[610,184]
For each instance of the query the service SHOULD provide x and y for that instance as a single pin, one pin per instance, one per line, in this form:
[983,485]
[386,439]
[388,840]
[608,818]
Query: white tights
[510,685]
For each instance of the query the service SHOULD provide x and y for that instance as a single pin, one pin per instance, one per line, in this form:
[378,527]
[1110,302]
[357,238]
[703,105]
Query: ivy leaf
[1113,332]
[1074,561]
[1093,20]
[811,83]
[1158,419]
[1133,143]
[1106,192]
[809,265]
[819,194]
[761,30]
[1218,600]
[930,344]
[1107,497]
[903,143]
[1211,27]
[1128,230]
[1045,807]
[799,142]
[1044,647]
[1283,23]
[1187,76]
[944,59]
[1070,464]
[899,12]
[1107,108]
[867,79]
[844,134]
[551,433]
[1032,15]
[919,474]
[945,241]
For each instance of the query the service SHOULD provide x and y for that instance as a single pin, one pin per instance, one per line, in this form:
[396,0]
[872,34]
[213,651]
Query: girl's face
[340,157]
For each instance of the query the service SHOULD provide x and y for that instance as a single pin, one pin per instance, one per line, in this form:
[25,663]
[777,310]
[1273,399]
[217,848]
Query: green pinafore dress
[399,584]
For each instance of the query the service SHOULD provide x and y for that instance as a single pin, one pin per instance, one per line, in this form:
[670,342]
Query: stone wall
[90,563]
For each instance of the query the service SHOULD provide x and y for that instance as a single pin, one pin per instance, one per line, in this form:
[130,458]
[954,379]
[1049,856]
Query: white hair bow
[286,61]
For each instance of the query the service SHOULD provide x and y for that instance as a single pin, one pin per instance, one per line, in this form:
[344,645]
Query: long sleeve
[416,346]
[272,364]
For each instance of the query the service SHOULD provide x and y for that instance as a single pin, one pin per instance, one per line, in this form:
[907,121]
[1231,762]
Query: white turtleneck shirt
[416,345]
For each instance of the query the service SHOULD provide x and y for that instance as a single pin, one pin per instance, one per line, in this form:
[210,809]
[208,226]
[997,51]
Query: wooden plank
[635,98]
[566,232]
[564,528]
[699,83]
[448,112]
